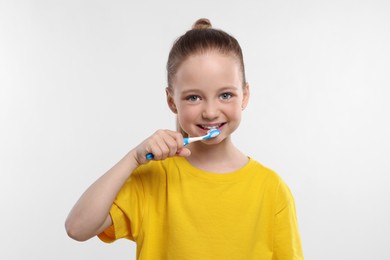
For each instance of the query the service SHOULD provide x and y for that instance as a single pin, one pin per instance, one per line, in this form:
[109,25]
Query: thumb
[183,152]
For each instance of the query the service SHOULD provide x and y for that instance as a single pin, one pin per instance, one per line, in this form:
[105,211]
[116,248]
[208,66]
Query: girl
[206,200]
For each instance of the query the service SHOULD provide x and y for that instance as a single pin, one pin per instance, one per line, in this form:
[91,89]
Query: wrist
[132,159]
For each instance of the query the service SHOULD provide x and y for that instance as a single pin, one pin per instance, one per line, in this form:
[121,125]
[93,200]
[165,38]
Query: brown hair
[200,39]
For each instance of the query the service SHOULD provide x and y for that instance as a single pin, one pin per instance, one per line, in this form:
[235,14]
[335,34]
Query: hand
[162,144]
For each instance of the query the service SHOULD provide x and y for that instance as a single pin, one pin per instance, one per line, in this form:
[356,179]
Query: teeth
[210,127]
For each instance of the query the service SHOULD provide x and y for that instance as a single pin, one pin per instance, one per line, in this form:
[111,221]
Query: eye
[193,98]
[226,96]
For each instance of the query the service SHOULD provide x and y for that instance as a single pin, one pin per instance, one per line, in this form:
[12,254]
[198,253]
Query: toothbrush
[211,134]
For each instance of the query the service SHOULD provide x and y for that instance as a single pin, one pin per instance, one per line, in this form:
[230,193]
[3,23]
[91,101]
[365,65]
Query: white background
[82,82]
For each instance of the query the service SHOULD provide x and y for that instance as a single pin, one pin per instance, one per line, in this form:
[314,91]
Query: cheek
[187,114]
[187,118]
[236,114]
[235,110]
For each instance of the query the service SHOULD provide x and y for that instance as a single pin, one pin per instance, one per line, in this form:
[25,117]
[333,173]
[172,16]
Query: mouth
[209,127]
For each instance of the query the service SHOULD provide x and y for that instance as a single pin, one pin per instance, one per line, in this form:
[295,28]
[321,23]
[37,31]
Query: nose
[210,111]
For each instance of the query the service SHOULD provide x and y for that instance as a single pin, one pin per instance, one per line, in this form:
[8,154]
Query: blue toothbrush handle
[150,156]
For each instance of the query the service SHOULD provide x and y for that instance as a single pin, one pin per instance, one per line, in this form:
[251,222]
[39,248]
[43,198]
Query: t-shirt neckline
[213,176]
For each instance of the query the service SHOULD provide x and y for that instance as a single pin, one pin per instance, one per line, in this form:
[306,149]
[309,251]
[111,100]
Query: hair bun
[202,24]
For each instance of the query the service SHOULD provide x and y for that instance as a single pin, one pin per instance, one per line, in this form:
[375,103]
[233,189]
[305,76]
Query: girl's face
[207,93]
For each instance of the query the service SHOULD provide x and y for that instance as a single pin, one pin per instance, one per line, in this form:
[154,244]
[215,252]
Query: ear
[170,101]
[245,96]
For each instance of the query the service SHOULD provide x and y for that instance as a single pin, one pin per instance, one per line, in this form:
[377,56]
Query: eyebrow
[228,88]
[222,89]
[185,92]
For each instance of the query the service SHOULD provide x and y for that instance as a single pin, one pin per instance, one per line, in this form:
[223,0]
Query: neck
[221,158]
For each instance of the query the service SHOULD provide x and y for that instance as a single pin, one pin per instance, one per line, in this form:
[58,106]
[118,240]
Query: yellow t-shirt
[173,210]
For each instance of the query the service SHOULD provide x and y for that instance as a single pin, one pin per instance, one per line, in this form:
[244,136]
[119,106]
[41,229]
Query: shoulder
[155,167]
[273,182]
[263,171]
[154,170]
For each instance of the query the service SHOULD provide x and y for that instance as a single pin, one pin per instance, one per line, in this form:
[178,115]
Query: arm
[90,215]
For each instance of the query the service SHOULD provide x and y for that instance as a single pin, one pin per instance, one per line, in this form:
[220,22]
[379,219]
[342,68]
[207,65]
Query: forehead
[209,69]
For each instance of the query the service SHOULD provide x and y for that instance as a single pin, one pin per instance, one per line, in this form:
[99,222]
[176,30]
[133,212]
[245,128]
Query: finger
[178,137]
[184,152]
[163,144]
[174,142]
[165,147]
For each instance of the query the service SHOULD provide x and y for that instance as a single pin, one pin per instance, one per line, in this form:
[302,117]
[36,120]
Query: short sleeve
[287,242]
[126,212]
